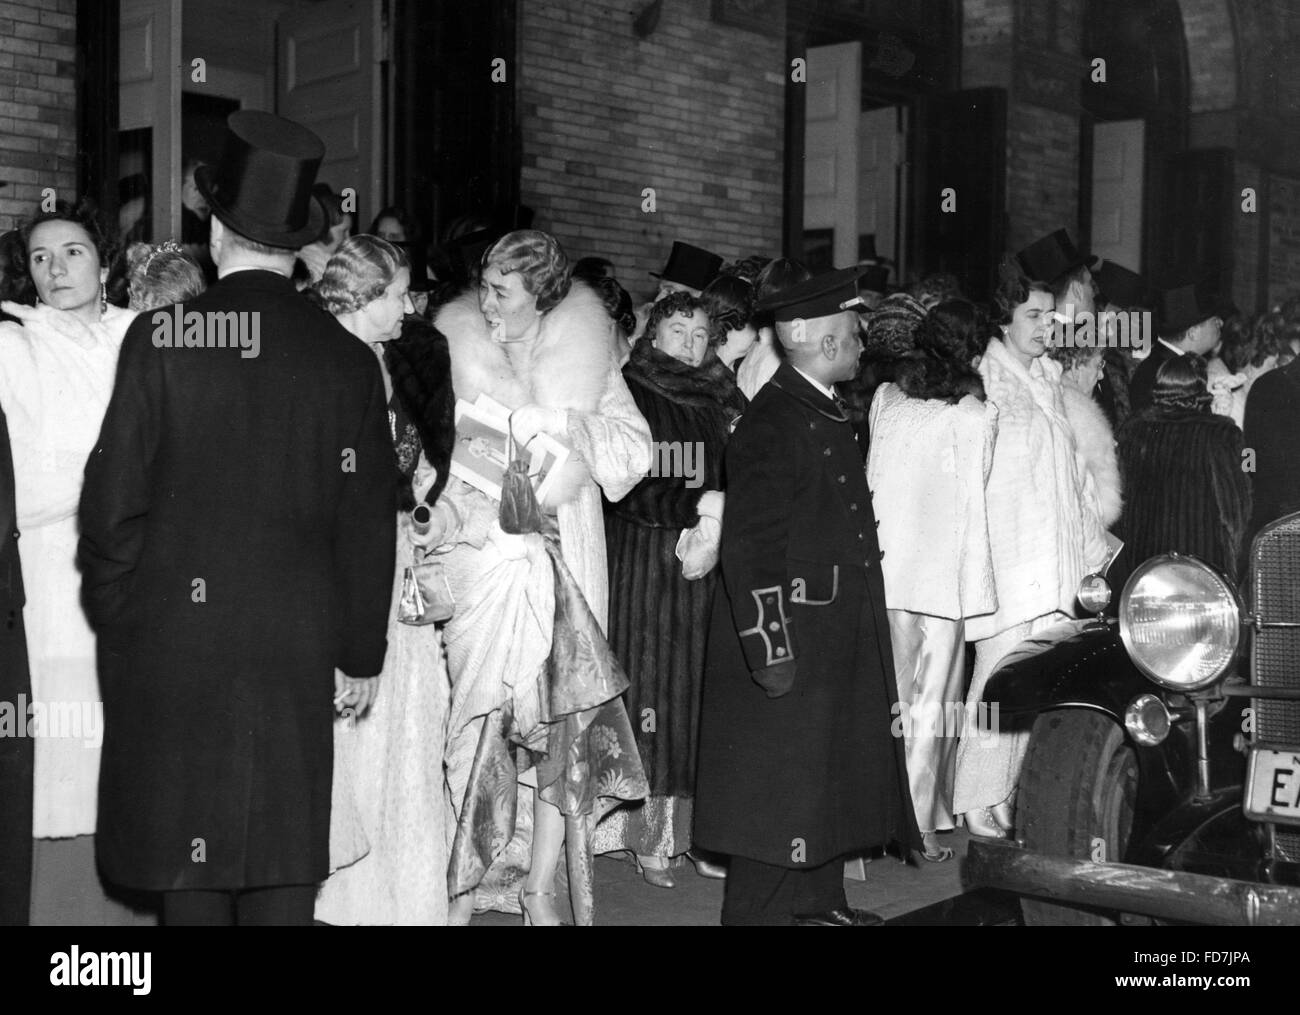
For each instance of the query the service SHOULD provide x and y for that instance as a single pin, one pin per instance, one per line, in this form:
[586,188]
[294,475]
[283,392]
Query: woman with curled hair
[524,712]
[1082,367]
[1045,531]
[57,368]
[1250,349]
[390,816]
[664,538]
[1185,489]
[932,434]
[729,302]
[161,274]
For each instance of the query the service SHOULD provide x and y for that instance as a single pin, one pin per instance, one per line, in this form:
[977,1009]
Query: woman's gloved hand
[528,421]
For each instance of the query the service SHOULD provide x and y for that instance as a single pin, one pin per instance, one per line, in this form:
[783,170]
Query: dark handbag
[426,597]
[520,513]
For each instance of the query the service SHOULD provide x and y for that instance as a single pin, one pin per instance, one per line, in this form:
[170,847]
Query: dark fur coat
[420,367]
[1184,487]
[659,621]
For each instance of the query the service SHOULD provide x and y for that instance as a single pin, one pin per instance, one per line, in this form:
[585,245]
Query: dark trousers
[760,895]
[282,906]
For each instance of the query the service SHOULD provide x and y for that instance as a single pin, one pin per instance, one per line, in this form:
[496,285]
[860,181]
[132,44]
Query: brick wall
[38,104]
[1042,173]
[1245,255]
[695,111]
[1211,53]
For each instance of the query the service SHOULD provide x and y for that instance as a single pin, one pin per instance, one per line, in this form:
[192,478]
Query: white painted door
[834,104]
[1117,161]
[149,96]
[330,56]
[879,147]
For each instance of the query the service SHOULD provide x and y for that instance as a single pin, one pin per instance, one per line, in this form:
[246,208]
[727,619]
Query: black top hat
[261,187]
[690,266]
[1183,306]
[867,250]
[820,296]
[875,278]
[1050,257]
[1126,289]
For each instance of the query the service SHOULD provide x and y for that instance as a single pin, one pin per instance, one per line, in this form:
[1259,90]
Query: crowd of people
[784,512]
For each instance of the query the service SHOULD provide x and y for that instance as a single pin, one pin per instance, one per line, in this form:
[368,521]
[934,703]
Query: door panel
[149,90]
[329,81]
[1117,165]
[833,97]
[879,155]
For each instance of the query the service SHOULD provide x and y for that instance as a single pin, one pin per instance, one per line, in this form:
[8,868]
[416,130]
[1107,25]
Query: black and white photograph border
[981,319]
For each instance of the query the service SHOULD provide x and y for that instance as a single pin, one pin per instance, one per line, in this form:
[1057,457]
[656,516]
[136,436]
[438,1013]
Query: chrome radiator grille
[1275,655]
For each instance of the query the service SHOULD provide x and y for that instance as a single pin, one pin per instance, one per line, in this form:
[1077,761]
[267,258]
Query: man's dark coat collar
[794,384]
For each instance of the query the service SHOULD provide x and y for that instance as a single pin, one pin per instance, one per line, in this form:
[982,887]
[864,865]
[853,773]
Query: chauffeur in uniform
[798,767]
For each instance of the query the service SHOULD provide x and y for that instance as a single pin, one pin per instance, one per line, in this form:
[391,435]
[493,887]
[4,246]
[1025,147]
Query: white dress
[56,376]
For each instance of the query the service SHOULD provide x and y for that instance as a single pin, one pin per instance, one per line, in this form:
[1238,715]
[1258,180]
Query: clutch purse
[426,597]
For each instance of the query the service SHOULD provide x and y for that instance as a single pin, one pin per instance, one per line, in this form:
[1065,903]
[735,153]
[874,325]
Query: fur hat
[891,327]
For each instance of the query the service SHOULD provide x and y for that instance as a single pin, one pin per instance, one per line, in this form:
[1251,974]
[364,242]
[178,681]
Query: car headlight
[1180,621]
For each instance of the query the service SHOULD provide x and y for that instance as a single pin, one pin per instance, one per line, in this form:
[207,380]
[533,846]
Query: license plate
[1273,785]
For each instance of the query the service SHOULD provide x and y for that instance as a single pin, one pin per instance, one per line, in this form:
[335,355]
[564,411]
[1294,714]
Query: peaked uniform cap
[820,296]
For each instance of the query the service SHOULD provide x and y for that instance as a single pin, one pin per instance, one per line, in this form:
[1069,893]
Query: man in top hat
[690,269]
[1188,320]
[1119,291]
[237,547]
[797,765]
[16,752]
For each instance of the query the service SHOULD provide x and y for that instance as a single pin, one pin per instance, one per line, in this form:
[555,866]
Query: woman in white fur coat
[1044,529]
[543,347]
[932,436]
[1081,369]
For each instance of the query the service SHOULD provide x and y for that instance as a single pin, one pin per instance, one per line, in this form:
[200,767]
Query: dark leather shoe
[846,917]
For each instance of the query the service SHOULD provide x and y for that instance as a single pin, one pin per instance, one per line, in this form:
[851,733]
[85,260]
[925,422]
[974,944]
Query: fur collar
[1096,444]
[566,367]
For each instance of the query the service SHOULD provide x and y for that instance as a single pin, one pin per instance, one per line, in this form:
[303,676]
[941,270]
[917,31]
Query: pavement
[904,894]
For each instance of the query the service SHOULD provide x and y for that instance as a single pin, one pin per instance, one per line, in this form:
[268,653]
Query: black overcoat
[1143,381]
[237,545]
[15,690]
[799,780]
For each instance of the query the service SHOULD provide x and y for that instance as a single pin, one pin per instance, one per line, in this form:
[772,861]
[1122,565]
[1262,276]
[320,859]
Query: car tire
[1077,790]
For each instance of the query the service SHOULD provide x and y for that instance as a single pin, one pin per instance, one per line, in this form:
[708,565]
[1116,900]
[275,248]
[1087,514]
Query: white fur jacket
[571,365]
[927,467]
[1096,446]
[1045,530]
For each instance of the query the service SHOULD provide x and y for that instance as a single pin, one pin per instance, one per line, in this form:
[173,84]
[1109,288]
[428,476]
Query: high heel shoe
[980,822]
[529,919]
[933,852]
[708,869]
[657,873]
[1004,815]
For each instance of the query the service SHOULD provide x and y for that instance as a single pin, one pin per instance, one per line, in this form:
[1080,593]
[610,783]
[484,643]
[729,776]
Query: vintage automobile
[1162,779]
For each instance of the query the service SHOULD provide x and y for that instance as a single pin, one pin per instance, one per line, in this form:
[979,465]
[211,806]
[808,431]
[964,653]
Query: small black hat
[1183,306]
[1050,257]
[690,266]
[875,278]
[820,296]
[1124,288]
[262,185]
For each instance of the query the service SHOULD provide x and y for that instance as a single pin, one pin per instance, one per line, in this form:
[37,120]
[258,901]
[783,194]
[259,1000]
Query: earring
[103,298]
